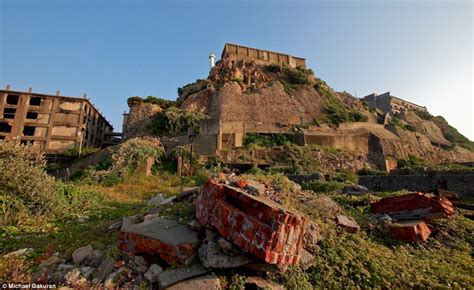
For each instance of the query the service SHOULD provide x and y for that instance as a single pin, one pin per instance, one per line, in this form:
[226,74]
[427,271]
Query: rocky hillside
[244,90]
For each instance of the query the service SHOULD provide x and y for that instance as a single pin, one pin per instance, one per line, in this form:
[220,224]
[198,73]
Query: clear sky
[420,51]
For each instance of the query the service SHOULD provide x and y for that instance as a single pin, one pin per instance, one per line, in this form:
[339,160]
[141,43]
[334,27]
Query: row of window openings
[27,130]
[13,100]
[9,113]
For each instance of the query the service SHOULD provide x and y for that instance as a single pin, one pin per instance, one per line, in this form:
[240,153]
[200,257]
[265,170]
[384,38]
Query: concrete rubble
[256,224]
[348,223]
[168,239]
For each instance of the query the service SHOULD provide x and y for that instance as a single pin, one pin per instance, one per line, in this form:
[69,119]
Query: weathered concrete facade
[54,123]
[390,104]
[243,52]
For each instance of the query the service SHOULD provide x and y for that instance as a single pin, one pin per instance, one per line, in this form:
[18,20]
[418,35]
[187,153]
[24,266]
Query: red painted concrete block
[410,231]
[256,224]
[414,206]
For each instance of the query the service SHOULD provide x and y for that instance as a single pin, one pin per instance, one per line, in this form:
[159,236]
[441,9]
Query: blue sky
[419,50]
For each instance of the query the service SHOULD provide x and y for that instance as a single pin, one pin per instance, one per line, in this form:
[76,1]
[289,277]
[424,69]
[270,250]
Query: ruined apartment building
[52,122]
[390,104]
[243,52]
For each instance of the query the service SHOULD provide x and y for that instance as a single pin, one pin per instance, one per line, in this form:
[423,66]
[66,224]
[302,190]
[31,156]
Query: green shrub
[268,140]
[344,176]
[423,114]
[71,201]
[452,134]
[409,127]
[411,162]
[152,100]
[73,153]
[369,171]
[323,186]
[274,68]
[25,188]
[175,121]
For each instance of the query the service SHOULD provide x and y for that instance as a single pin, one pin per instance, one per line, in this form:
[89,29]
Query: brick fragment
[256,224]
[410,231]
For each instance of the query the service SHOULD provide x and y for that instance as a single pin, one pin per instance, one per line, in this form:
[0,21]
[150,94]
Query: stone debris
[348,223]
[171,241]
[173,276]
[53,260]
[355,189]
[312,237]
[256,224]
[410,231]
[307,260]
[260,283]
[414,206]
[212,256]
[81,253]
[206,282]
[152,273]
[20,252]
[188,191]
[159,199]
[105,268]
[94,259]
[115,227]
[116,278]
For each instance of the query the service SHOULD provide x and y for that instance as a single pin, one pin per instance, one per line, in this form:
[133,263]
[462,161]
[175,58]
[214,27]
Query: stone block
[171,241]
[410,231]
[255,224]
[348,223]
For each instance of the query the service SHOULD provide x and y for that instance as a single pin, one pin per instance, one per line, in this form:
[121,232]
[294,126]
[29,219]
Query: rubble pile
[410,212]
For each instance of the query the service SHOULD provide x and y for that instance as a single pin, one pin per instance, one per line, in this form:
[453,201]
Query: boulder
[81,253]
[206,282]
[307,260]
[173,276]
[116,278]
[159,199]
[152,273]
[211,256]
[348,223]
[325,206]
[51,261]
[312,237]
[94,259]
[171,241]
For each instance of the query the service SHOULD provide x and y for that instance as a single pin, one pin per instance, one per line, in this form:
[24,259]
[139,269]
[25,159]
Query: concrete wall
[53,123]
[263,55]
[462,182]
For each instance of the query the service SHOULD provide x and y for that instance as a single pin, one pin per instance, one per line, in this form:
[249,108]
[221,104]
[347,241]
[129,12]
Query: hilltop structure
[259,92]
[54,123]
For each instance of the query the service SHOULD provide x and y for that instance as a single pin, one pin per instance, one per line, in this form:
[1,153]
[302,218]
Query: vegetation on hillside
[291,78]
[255,140]
[152,100]
[175,121]
[449,132]
[336,111]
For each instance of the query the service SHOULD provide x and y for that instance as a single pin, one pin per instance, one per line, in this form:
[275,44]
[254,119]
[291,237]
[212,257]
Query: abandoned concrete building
[242,52]
[54,123]
[387,103]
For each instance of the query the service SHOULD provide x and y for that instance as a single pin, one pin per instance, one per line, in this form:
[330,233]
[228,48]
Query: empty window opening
[5,128]
[25,142]
[13,99]
[29,131]
[35,101]
[9,113]
[32,115]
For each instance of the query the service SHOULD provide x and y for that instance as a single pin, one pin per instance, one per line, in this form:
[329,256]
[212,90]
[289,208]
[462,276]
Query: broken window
[32,115]
[29,131]
[13,99]
[5,127]
[9,113]
[35,101]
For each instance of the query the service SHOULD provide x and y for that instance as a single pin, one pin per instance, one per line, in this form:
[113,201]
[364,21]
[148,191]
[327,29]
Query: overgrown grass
[268,140]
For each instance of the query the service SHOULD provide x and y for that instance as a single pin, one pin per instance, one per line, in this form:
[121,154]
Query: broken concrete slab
[206,282]
[152,273]
[212,256]
[414,206]
[410,231]
[81,253]
[348,223]
[168,239]
[256,224]
[159,199]
[173,276]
